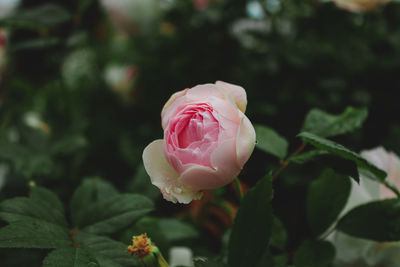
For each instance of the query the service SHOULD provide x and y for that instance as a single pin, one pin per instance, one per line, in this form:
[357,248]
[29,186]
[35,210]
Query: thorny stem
[285,163]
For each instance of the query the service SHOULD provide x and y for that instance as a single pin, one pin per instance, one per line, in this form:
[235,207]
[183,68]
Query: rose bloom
[359,5]
[207,140]
[352,251]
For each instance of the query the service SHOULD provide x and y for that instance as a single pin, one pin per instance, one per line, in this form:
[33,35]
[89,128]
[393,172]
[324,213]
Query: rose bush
[207,140]
[359,5]
[351,250]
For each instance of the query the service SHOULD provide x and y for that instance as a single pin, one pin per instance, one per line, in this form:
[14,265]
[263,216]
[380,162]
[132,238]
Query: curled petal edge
[245,140]
[237,93]
[164,176]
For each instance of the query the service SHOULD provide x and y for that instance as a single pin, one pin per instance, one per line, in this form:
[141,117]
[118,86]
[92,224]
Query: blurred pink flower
[201,4]
[207,140]
[359,5]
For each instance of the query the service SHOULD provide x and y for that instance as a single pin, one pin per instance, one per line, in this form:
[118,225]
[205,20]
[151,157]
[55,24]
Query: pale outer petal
[390,163]
[237,93]
[245,140]
[223,159]
[163,175]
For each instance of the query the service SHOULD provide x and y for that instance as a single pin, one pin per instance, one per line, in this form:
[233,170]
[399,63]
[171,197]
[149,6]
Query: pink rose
[359,5]
[207,140]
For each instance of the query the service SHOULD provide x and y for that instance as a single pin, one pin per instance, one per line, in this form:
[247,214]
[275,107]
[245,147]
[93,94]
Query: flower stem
[285,163]
[239,188]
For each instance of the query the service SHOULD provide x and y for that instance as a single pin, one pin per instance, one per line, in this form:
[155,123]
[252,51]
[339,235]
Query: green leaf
[314,254]
[34,233]
[37,43]
[108,252]
[42,204]
[70,257]
[324,158]
[91,190]
[343,152]
[307,156]
[326,198]
[268,140]
[324,124]
[278,234]
[252,226]
[114,213]
[378,220]
[48,198]
[141,184]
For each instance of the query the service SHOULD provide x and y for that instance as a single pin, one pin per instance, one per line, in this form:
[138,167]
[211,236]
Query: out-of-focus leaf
[38,43]
[68,144]
[34,233]
[47,197]
[324,124]
[314,254]
[25,161]
[42,204]
[70,257]
[377,220]
[141,184]
[252,227]
[278,234]
[47,15]
[337,149]
[108,252]
[114,213]
[91,190]
[268,140]
[326,197]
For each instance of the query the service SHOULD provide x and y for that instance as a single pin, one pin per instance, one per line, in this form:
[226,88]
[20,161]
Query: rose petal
[204,91]
[223,159]
[237,93]
[163,175]
[245,140]
[171,105]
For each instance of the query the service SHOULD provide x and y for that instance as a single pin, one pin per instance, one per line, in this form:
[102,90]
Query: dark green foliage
[70,257]
[34,233]
[378,220]
[271,142]
[326,197]
[314,254]
[323,124]
[252,227]
[107,251]
[339,150]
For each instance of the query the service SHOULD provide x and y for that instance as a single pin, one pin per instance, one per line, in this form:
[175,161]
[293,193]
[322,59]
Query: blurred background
[82,84]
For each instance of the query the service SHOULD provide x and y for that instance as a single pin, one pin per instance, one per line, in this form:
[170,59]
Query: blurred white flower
[121,79]
[352,251]
[180,256]
[7,7]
